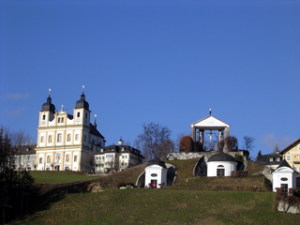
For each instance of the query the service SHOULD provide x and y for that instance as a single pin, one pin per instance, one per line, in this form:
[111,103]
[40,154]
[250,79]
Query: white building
[284,177]
[65,141]
[156,173]
[114,158]
[220,164]
[24,157]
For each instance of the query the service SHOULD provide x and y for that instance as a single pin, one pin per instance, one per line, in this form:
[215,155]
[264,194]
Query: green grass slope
[141,206]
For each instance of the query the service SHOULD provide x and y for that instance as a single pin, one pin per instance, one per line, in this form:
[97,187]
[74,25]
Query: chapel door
[154,183]
[284,189]
[56,168]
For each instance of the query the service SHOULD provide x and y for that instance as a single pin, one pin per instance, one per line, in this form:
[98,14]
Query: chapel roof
[284,163]
[157,161]
[221,157]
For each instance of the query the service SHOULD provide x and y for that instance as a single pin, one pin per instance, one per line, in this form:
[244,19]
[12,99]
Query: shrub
[121,184]
[130,184]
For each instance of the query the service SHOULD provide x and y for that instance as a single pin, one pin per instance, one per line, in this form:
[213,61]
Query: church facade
[64,141]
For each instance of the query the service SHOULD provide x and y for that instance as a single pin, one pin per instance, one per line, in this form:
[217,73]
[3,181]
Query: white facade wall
[161,175]
[214,165]
[279,176]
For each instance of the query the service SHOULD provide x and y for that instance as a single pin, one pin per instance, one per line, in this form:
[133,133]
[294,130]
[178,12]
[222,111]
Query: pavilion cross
[210,137]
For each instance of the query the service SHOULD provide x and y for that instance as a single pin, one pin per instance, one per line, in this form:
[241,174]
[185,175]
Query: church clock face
[43,122]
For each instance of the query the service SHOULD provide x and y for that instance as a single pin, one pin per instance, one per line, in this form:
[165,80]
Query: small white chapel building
[220,164]
[156,173]
[284,177]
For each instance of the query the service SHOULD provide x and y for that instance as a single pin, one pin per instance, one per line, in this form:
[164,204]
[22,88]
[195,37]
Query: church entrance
[56,168]
[154,183]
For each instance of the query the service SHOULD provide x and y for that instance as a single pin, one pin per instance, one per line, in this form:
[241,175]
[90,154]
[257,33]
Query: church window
[62,119]
[76,137]
[69,137]
[50,139]
[67,158]
[75,158]
[78,114]
[40,160]
[44,117]
[59,138]
[42,139]
[58,120]
[48,159]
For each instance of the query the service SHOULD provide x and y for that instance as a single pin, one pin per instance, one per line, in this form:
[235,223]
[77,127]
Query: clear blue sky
[166,62]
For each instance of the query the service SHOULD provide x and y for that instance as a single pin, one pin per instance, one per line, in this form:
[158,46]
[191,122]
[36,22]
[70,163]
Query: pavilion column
[220,135]
[193,133]
[226,132]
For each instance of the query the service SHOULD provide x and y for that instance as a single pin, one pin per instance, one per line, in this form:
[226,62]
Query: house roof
[221,157]
[265,159]
[290,146]
[157,161]
[24,149]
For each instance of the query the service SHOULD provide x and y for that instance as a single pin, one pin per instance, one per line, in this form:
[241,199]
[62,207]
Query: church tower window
[62,119]
[78,114]
[58,120]
[42,139]
[44,117]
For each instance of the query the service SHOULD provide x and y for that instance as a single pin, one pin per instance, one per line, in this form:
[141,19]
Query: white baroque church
[65,141]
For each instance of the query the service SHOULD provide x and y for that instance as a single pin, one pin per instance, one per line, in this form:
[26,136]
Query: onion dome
[82,103]
[120,142]
[157,161]
[48,106]
[221,157]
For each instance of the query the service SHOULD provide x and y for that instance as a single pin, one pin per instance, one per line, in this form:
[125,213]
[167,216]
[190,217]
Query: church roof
[48,106]
[157,161]
[82,103]
[221,157]
[94,131]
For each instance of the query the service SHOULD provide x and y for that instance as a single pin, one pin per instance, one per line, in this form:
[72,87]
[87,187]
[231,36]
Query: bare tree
[164,148]
[276,149]
[153,135]
[248,143]
[88,162]
[231,143]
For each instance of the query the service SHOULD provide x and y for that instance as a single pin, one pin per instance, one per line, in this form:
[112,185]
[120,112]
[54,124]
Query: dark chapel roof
[157,161]
[221,157]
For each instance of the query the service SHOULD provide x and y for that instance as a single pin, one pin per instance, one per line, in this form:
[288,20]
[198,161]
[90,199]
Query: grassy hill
[201,200]
[141,206]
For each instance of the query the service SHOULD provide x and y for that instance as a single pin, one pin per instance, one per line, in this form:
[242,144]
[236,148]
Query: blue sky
[166,62]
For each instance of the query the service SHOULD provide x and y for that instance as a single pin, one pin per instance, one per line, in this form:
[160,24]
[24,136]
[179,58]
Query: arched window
[62,119]
[59,138]
[76,137]
[48,159]
[42,139]
[50,139]
[69,138]
[58,120]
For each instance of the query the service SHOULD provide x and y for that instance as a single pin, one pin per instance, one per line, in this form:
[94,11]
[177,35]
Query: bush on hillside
[121,184]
